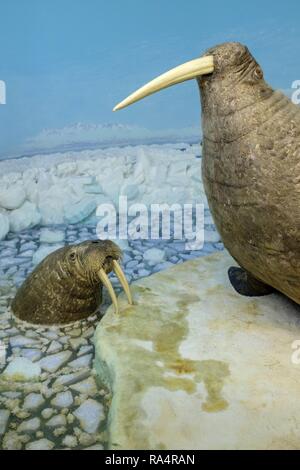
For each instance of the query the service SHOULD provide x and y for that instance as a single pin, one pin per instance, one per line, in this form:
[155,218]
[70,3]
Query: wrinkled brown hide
[251,168]
[65,286]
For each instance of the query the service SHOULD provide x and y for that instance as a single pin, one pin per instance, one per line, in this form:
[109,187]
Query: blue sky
[68,61]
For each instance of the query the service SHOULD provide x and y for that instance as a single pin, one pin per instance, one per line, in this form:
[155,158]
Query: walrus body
[65,286]
[250,167]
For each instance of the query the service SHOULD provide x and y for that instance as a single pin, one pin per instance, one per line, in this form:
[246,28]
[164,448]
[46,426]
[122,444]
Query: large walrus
[250,167]
[67,285]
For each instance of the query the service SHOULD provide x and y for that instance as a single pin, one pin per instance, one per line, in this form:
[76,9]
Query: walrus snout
[102,257]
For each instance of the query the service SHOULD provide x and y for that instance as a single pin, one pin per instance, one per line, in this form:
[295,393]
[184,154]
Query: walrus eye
[72,256]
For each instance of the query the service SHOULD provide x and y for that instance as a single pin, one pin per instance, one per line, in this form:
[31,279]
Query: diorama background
[64,154]
[69,62]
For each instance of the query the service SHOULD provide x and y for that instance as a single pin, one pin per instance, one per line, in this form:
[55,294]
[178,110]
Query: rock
[83,361]
[25,217]
[4,415]
[44,251]
[123,244]
[53,362]
[33,401]
[84,349]
[12,197]
[50,334]
[132,264]
[3,350]
[80,211]
[51,236]
[12,441]
[90,415]
[12,394]
[54,347]
[86,387]
[70,379]
[41,444]
[31,354]
[86,439]
[28,246]
[62,400]
[56,421]
[77,342]
[70,418]
[30,425]
[154,256]
[47,413]
[74,333]
[21,415]
[5,286]
[27,254]
[211,236]
[220,362]
[4,226]
[20,341]
[22,369]
[59,431]
[89,332]
[70,441]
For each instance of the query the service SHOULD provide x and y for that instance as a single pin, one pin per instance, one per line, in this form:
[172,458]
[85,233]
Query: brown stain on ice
[166,330]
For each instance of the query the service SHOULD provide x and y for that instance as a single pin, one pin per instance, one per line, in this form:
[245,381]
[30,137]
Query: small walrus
[67,285]
[250,166]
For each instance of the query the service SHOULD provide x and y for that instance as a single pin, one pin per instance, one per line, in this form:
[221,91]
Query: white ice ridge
[67,187]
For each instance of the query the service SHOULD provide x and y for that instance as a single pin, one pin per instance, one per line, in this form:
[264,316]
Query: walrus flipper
[245,284]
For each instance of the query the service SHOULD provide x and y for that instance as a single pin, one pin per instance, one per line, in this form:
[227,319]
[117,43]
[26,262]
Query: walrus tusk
[188,71]
[121,276]
[106,282]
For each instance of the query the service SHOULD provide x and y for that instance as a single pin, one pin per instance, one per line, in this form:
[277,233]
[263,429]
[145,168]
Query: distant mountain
[81,136]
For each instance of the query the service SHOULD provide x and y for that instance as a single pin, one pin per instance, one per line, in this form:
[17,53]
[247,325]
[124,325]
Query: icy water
[67,407]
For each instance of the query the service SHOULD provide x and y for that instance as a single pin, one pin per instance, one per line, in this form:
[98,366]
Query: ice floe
[90,415]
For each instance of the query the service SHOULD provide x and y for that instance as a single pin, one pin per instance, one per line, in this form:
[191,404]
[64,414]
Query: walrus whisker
[121,276]
[106,282]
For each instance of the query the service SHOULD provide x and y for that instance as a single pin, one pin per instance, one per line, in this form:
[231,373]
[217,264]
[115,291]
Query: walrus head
[228,76]
[230,82]
[94,260]
[67,285]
